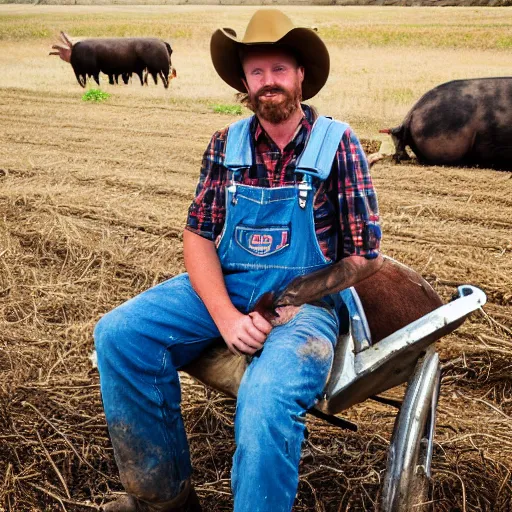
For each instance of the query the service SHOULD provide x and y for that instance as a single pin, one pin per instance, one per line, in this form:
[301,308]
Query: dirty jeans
[141,345]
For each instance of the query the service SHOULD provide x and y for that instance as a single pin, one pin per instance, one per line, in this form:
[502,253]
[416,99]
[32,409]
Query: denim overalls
[268,239]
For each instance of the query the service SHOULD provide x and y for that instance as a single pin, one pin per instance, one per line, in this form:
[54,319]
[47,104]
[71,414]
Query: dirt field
[93,199]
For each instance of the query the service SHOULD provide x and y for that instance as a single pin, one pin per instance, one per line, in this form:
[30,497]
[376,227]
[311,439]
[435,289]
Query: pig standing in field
[460,123]
[117,56]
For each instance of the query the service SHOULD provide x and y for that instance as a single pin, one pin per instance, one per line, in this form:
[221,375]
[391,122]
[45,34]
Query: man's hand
[244,334]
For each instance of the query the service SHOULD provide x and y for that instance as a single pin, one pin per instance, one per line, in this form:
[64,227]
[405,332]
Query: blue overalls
[268,239]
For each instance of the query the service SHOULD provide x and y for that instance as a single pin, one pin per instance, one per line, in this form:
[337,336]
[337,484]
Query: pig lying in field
[460,123]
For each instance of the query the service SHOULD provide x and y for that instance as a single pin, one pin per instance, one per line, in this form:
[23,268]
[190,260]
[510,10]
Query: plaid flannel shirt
[345,207]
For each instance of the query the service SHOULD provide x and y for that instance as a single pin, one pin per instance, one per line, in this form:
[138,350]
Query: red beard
[274,111]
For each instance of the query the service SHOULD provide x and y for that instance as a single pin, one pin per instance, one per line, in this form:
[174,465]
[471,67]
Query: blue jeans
[141,345]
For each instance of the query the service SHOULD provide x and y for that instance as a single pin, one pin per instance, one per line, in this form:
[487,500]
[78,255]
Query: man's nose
[267,78]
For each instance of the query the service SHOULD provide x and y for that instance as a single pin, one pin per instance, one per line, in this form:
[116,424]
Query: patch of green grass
[95,95]
[233,110]
[504,42]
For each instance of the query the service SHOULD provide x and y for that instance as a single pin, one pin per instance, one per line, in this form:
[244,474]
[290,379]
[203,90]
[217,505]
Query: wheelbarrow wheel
[406,485]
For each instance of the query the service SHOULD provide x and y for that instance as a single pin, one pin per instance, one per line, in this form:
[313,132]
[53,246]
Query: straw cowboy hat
[271,27]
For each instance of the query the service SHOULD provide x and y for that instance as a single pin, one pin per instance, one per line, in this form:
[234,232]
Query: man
[277,199]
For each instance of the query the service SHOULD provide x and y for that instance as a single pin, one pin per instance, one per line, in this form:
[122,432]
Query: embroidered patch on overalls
[263,241]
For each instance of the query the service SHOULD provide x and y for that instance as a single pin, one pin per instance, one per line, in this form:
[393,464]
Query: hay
[65,261]
[92,203]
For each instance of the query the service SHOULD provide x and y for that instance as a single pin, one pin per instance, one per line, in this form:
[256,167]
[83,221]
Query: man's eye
[279,68]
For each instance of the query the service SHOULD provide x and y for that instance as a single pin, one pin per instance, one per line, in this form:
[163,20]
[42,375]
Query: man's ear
[245,85]
[301,73]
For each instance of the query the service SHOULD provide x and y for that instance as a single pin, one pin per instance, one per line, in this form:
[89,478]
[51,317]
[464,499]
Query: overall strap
[324,139]
[238,146]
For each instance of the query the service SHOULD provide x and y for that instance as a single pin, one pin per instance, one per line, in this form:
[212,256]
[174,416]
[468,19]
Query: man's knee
[110,330]
[293,375]
[286,388]
[318,349]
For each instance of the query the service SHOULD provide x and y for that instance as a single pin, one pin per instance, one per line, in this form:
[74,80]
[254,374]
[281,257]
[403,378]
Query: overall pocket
[264,241]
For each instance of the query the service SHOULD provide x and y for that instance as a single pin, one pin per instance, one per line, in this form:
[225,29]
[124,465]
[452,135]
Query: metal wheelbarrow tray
[359,374]
[361,371]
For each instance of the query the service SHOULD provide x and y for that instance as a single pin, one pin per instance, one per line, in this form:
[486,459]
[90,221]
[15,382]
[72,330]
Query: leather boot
[186,501]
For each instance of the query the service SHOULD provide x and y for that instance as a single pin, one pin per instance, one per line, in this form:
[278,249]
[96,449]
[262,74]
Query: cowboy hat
[271,27]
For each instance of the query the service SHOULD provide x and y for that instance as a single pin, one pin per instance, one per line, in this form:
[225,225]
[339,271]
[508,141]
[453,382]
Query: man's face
[274,83]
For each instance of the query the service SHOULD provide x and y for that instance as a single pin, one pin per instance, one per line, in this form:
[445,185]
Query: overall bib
[268,239]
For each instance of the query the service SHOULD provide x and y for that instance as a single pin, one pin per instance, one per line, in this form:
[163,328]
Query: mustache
[271,90]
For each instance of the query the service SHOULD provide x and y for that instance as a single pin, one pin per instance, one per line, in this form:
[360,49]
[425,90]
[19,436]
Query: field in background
[383,58]
[93,199]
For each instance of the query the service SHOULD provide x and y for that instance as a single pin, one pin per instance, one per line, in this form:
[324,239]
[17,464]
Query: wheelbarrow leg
[406,483]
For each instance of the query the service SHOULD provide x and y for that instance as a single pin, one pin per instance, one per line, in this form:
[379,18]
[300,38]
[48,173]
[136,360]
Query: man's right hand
[244,334]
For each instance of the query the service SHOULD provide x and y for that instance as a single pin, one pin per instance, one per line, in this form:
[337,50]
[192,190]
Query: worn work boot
[186,501]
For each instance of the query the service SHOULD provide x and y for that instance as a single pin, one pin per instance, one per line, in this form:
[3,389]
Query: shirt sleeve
[359,212]
[207,212]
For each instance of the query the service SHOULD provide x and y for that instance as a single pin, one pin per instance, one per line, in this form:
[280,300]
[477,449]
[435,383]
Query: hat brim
[312,52]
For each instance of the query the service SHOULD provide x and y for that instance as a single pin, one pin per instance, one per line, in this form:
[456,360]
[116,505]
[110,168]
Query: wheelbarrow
[391,321]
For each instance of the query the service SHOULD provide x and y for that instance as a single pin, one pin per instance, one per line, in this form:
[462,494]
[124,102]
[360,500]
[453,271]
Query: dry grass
[93,199]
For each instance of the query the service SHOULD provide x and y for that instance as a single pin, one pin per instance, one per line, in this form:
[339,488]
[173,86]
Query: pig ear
[59,47]
[65,39]
[64,52]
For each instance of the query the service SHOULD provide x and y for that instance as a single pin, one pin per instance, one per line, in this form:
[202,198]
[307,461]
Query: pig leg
[401,154]
[399,135]
[82,79]
[164,78]
[329,280]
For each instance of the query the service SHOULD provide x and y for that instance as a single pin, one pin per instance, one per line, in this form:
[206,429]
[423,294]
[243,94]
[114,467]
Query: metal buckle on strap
[304,189]
[231,189]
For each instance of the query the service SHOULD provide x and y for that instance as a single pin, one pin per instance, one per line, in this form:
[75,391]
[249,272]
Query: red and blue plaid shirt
[345,207]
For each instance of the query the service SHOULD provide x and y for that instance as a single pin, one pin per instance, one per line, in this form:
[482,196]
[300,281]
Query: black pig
[463,122]
[117,56]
